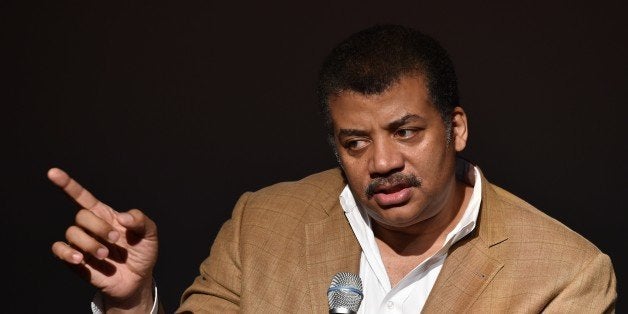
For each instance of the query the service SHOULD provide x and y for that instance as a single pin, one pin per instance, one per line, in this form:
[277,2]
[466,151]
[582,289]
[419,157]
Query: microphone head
[345,293]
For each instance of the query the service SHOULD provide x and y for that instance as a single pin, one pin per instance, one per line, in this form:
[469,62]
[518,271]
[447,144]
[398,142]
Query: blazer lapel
[469,266]
[331,247]
[465,274]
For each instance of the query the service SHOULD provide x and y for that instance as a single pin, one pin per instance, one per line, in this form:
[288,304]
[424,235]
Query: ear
[459,129]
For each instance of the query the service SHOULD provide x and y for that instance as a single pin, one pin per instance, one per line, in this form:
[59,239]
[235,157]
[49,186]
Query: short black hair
[372,60]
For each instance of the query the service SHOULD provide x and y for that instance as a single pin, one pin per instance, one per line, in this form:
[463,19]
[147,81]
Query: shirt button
[390,305]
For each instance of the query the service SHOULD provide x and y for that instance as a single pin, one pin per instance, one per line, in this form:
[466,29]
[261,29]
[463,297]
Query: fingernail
[77,257]
[113,236]
[102,252]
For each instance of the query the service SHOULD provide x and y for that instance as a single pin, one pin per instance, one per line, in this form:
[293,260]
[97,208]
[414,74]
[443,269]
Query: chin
[397,217]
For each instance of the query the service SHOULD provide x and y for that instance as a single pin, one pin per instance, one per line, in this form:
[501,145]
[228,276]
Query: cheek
[427,159]
[356,173]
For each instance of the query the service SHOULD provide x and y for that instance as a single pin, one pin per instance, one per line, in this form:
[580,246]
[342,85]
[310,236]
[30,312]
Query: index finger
[80,195]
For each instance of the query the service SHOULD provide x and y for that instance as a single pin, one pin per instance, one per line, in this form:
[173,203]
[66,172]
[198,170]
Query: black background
[179,107]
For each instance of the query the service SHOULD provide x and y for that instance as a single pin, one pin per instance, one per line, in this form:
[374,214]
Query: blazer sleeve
[218,286]
[592,290]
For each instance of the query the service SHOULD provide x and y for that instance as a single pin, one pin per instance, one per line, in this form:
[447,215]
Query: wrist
[141,302]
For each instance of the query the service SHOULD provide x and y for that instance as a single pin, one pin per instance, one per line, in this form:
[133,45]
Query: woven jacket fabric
[284,243]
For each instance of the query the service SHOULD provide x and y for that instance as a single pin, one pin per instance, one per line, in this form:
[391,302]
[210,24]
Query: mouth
[393,190]
[392,195]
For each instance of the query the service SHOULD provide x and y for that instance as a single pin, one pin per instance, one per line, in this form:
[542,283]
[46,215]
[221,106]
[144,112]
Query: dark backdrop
[179,107]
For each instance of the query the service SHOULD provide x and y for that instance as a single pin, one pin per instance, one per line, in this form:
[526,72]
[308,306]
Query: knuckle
[71,232]
[81,215]
[57,248]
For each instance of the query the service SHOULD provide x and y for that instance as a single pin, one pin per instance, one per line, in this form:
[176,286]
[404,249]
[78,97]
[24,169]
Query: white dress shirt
[410,294]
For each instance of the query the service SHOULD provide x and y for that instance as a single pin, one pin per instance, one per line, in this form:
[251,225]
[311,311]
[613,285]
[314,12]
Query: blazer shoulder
[320,190]
[545,265]
[525,222]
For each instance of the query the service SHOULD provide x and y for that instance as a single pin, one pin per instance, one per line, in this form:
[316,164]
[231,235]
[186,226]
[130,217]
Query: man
[422,227]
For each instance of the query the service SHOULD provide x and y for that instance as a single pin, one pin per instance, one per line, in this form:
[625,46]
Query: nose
[386,158]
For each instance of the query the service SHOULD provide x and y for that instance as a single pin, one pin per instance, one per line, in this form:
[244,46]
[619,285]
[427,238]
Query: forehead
[409,95]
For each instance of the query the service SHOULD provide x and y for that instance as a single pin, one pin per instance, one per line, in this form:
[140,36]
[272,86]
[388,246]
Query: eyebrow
[351,132]
[403,120]
[391,126]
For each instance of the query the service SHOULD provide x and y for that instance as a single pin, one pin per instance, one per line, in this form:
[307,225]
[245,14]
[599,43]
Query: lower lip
[395,198]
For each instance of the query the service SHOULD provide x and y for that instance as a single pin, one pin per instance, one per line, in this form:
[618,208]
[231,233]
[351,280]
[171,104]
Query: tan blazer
[284,243]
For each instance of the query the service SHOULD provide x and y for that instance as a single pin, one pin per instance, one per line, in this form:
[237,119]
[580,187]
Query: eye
[355,144]
[405,133]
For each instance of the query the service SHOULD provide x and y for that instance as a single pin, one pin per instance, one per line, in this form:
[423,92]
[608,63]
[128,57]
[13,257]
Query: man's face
[394,151]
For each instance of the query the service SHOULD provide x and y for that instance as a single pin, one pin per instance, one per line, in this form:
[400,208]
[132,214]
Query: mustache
[398,178]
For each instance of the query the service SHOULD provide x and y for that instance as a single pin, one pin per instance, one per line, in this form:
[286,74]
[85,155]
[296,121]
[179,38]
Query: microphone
[345,293]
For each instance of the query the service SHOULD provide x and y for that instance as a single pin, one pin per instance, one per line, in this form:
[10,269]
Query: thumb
[138,223]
